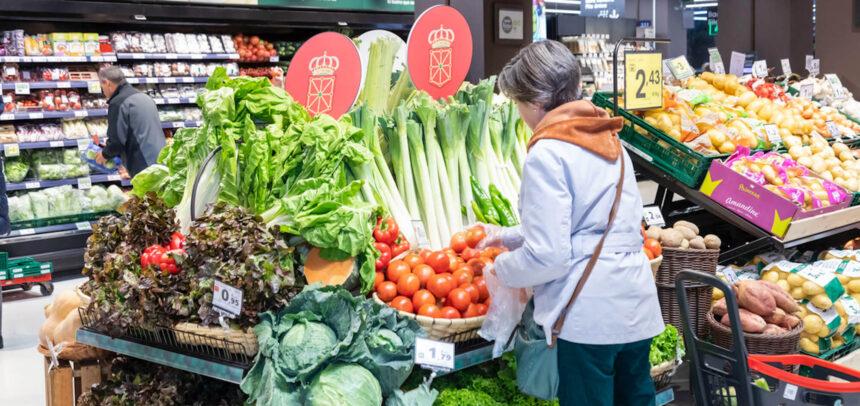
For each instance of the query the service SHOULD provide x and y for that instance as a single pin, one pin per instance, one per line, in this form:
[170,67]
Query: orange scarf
[583,124]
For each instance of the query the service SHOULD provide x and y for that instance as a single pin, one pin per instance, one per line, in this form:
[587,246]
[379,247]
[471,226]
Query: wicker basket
[453,330]
[655,265]
[699,302]
[75,352]
[769,344]
[232,340]
[675,260]
[662,374]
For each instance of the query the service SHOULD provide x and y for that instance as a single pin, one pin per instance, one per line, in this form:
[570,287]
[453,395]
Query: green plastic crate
[52,221]
[673,157]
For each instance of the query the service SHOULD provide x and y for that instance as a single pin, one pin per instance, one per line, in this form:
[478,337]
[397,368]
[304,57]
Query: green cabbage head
[344,384]
[307,344]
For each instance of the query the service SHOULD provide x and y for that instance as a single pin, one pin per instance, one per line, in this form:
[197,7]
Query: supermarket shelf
[41,184]
[187,363]
[49,144]
[181,124]
[272,59]
[68,84]
[80,226]
[183,79]
[171,56]
[174,100]
[42,115]
[55,59]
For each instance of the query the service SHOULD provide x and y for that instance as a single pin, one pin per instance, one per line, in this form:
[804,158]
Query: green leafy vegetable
[344,384]
[667,346]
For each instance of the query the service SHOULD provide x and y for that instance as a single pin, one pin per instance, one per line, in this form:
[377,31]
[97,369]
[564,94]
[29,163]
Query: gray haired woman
[572,168]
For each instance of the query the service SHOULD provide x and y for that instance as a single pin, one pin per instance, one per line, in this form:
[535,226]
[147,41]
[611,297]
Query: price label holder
[667,73]
[759,68]
[716,61]
[85,183]
[653,216]
[786,67]
[227,300]
[137,56]
[834,130]
[83,225]
[32,185]
[736,63]
[37,116]
[718,68]
[730,275]
[11,150]
[81,113]
[680,68]
[7,116]
[420,234]
[187,80]
[94,87]
[56,144]
[114,178]
[83,143]
[807,90]
[772,133]
[63,85]
[22,88]
[434,355]
[173,100]
[814,67]
[643,80]
[27,231]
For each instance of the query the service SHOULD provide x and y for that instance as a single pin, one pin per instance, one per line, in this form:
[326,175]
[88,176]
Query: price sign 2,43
[643,80]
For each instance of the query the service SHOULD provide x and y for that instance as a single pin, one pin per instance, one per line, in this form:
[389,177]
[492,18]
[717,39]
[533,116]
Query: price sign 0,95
[434,354]
[643,80]
[227,298]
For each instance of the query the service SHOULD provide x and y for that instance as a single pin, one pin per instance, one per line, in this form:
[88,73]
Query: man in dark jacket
[134,130]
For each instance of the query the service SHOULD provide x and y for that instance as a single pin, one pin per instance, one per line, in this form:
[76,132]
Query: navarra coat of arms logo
[440,55]
[321,83]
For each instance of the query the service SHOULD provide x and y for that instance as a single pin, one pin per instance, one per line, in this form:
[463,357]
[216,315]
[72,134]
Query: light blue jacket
[565,199]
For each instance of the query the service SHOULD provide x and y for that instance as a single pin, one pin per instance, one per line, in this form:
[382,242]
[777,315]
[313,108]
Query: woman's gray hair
[112,74]
[545,73]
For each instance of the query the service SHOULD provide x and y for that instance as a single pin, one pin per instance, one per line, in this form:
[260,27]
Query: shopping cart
[724,377]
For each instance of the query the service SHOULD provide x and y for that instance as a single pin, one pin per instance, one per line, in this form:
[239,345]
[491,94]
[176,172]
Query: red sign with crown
[325,74]
[439,51]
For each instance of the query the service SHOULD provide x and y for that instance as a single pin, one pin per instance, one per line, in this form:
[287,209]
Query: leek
[422,176]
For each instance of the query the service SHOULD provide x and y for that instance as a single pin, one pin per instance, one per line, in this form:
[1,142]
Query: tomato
[491,252]
[377,279]
[454,262]
[430,310]
[469,253]
[422,297]
[255,40]
[654,246]
[402,303]
[463,275]
[471,311]
[439,261]
[472,291]
[177,240]
[423,272]
[477,265]
[384,255]
[482,309]
[440,285]
[460,299]
[458,242]
[408,284]
[648,253]
[400,246]
[424,253]
[449,312]
[474,235]
[488,302]
[386,231]
[396,269]
[481,284]
[413,259]
[386,291]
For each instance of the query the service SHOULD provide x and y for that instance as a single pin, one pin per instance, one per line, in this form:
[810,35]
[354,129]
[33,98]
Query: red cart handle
[759,363]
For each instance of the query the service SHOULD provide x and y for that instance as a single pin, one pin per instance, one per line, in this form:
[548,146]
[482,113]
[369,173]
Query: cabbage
[19,208]
[344,384]
[16,170]
[307,344]
[385,338]
[116,196]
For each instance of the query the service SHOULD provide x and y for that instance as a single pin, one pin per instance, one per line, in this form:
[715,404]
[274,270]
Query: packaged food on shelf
[97,127]
[53,164]
[75,129]
[12,43]
[253,49]
[11,72]
[39,132]
[64,201]
[833,162]
[15,169]
[52,74]
[8,134]
[180,114]
[215,44]
[37,45]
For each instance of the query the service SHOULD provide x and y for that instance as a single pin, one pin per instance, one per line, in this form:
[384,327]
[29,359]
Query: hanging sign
[439,51]
[736,63]
[680,68]
[325,74]
[643,81]
[612,9]
[716,61]
[759,68]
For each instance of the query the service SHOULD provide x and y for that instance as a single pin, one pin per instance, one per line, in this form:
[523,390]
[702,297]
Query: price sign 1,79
[643,80]
[434,354]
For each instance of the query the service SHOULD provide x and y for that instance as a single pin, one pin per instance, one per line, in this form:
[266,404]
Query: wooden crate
[66,382]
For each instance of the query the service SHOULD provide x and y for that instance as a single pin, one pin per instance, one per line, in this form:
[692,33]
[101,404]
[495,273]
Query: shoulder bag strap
[556,328]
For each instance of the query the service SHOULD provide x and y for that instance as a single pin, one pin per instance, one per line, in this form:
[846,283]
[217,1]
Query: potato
[689,225]
[810,288]
[697,243]
[688,233]
[795,280]
[773,329]
[812,323]
[717,295]
[854,286]
[824,332]
[770,276]
[719,308]
[821,301]
[653,232]
[755,298]
[783,284]
[671,238]
[809,346]
[797,293]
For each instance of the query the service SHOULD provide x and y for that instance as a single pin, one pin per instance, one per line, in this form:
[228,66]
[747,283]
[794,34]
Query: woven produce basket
[699,298]
[453,330]
[232,340]
[675,260]
[769,344]
[655,265]
[75,352]
[662,374]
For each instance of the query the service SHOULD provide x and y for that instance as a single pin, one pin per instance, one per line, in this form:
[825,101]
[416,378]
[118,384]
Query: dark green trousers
[605,375]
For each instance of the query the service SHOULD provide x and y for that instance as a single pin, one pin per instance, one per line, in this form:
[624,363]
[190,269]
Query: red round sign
[439,51]
[325,74]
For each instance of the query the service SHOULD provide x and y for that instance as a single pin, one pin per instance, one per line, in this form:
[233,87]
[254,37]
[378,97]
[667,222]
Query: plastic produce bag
[89,156]
[504,313]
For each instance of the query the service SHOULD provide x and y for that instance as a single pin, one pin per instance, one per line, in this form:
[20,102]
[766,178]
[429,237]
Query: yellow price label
[643,80]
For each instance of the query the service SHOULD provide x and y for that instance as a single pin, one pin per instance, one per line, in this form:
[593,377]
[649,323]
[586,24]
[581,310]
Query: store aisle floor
[22,374]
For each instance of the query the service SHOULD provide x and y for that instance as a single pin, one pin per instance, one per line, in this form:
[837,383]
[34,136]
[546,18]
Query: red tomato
[469,253]
[477,266]
[449,312]
[408,284]
[386,291]
[421,298]
[463,275]
[654,246]
[424,253]
[481,284]
[491,252]
[474,235]
[471,311]
[439,261]
[458,242]
[413,259]
[460,299]
[440,285]
[488,302]
[402,303]
[423,272]
[472,290]
[396,269]
[377,279]
[430,310]
[482,309]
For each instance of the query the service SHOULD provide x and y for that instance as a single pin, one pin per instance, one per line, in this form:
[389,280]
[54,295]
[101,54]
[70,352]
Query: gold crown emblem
[323,65]
[441,37]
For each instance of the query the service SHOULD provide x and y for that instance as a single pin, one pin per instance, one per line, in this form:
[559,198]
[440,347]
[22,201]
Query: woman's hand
[509,238]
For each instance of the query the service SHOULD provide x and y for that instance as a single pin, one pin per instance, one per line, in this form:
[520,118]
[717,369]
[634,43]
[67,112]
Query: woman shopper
[572,169]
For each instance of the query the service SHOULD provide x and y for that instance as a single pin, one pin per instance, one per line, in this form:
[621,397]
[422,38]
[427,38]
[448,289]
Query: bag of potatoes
[851,255]
[805,282]
[847,271]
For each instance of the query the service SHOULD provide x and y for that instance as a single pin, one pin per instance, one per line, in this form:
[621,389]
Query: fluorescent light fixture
[571,2]
[700,13]
[701,5]
[700,18]
[560,11]
[139,17]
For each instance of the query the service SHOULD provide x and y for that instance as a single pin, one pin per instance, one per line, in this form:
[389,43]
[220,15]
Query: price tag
[32,185]
[420,234]
[187,80]
[790,392]
[196,56]
[759,68]
[36,116]
[83,143]
[807,90]
[26,231]
[94,87]
[273,59]
[151,80]
[137,56]
[786,66]
[84,225]
[40,59]
[26,59]
[178,124]
[736,63]
[807,61]
[173,100]
[643,80]
[714,56]
[833,129]
[22,88]
[113,178]
[227,298]
[772,133]
[718,67]
[653,217]
[85,183]
[81,113]
[814,67]
[56,144]
[168,80]
[11,150]
[7,116]
[680,68]
[63,85]
[171,56]
[730,275]
[434,354]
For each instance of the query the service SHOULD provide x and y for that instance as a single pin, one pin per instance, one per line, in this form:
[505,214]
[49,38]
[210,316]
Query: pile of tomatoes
[446,284]
[652,247]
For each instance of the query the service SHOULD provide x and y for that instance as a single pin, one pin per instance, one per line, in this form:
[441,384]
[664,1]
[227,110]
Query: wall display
[439,51]
[510,24]
[325,74]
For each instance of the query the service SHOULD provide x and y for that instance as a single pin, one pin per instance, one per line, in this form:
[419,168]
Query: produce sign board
[753,202]
[439,51]
[643,80]
[325,74]
[680,68]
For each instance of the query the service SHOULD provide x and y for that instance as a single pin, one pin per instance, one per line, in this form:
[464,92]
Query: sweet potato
[776,317]
[783,300]
[755,298]
[773,329]
[719,308]
[750,322]
[790,322]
